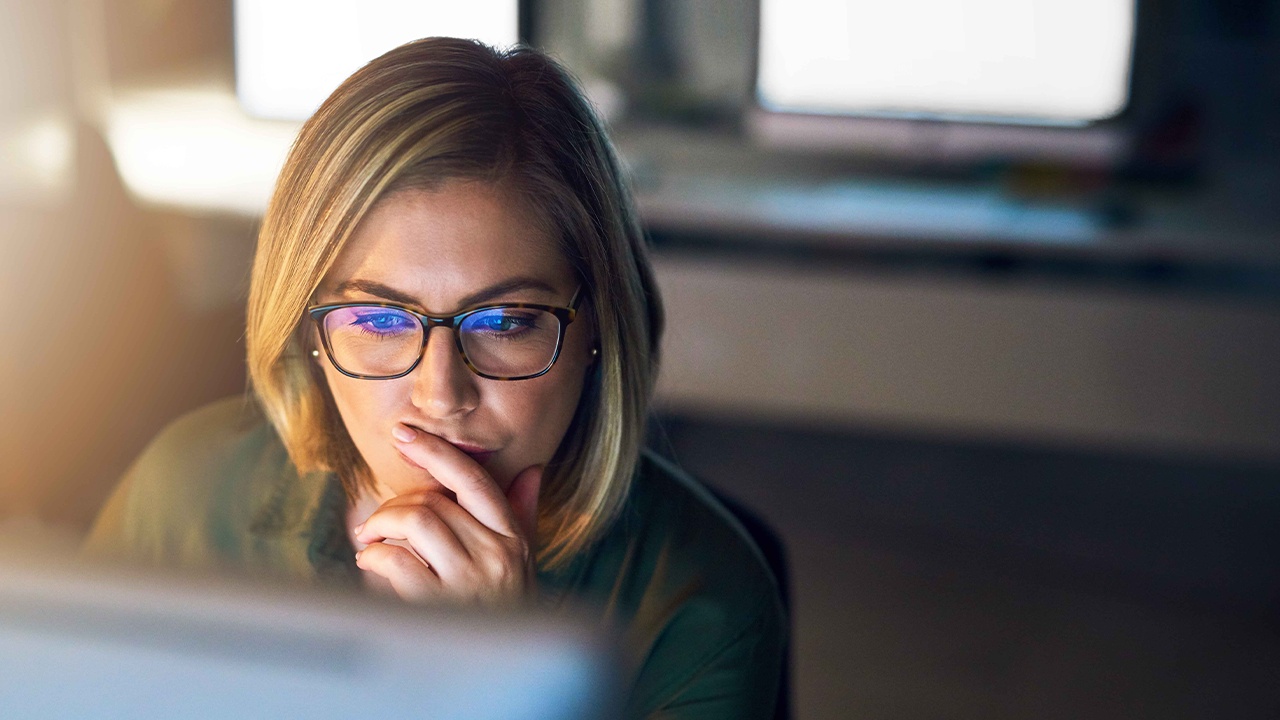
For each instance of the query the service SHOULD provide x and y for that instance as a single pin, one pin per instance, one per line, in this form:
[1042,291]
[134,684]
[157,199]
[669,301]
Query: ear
[311,347]
[594,351]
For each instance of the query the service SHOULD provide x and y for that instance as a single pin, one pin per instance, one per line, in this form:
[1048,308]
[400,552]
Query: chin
[405,477]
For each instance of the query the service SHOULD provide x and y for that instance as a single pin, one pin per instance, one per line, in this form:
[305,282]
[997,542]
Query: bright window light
[291,54]
[193,147]
[1044,61]
[39,152]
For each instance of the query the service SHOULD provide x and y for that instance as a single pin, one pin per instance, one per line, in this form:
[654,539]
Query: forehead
[442,244]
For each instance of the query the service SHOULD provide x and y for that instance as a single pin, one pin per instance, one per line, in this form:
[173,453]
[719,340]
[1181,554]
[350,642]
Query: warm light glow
[291,54]
[38,157]
[1011,60]
[196,148]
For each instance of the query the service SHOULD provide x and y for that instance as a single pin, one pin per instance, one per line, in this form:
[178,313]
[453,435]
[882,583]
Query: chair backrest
[775,554]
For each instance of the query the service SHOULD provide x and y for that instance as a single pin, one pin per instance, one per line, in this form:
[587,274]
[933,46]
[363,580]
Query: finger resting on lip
[476,490]
[430,477]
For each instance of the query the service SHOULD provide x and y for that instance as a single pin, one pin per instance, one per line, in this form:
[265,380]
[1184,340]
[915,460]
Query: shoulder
[207,455]
[196,489]
[227,432]
[696,534]
[699,606]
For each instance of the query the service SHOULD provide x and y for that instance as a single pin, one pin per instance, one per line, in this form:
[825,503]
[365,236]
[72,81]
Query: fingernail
[358,552]
[358,528]
[402,433]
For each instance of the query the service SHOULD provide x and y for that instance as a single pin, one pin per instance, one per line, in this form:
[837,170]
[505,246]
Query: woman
[452,338]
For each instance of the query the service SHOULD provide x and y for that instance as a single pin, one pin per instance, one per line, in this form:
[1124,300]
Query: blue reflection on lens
[505,323]
[383,322]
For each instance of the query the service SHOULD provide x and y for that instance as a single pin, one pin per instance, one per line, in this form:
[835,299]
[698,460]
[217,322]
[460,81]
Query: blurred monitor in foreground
[958,79]
[291,54]
[79,643]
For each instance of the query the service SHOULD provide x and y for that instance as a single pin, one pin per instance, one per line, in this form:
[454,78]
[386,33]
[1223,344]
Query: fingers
[463,525]
[479,547]
[409,577]
[523,498]
[489,566]
[420,521]
[477,492]
[469,560]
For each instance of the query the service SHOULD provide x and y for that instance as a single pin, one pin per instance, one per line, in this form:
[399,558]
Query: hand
[477,549]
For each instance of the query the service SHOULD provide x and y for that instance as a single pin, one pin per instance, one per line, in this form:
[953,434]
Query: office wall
[1153,370]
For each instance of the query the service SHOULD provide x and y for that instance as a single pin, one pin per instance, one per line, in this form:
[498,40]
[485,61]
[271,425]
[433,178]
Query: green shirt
[700,611]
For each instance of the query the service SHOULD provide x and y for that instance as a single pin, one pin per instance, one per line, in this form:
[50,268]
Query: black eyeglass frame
[564,315]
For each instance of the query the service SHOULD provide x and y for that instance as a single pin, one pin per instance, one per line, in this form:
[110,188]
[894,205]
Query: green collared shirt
[700,611]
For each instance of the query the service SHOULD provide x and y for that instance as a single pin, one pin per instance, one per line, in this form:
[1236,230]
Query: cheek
[538,411]
[362,404]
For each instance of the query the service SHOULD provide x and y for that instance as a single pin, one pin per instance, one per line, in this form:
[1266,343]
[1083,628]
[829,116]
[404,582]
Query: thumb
[523,496]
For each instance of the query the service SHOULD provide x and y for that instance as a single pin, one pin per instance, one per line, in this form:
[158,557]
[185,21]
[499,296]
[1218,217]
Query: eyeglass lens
[503,342]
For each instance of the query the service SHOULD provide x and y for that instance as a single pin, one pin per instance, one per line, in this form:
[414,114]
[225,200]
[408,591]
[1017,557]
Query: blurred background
[976,303]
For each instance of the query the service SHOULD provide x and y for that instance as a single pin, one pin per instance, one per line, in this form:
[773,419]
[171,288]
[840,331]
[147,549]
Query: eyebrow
[497,290]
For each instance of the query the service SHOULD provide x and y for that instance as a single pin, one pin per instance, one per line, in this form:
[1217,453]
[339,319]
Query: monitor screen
[1004,61]
[108,642]
[291,54]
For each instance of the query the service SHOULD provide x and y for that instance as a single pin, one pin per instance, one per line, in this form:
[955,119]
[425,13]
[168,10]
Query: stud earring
[595,351]
[315,353]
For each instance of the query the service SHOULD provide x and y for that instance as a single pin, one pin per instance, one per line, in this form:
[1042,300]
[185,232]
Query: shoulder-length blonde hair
[430,111]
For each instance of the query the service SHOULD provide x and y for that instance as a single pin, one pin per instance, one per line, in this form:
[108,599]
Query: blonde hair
[441,109]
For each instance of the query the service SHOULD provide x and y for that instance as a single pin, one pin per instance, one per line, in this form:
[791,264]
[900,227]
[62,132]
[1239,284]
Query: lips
[475,452]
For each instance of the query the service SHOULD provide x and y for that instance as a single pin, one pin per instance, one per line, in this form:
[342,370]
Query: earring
[315,353]
[595,351]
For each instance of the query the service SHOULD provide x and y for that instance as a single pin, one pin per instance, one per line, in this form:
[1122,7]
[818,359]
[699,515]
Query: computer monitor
[955,80]
[81,642]
[291,54]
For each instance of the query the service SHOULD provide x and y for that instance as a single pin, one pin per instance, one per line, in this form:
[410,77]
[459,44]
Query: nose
[443,386]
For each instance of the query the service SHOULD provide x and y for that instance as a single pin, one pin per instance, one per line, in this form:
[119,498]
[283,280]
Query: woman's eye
[382,322]
[503,323]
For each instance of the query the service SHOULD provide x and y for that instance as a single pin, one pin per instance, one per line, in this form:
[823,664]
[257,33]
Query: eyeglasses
[382,341]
